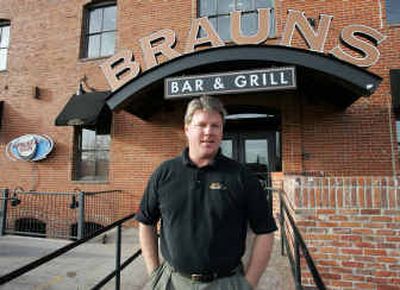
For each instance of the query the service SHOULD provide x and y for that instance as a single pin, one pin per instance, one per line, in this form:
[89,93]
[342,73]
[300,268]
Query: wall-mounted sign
[30,147]
[362,40]
[232,82]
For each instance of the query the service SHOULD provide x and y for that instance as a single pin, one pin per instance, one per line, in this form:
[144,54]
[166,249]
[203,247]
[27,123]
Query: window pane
[223,27]
[107,43]
[249,23]
[110,18]
[94,46]
[227,148]
[3,59]
[208,7]
[264,4]
[95,21]
[244,5]
[4,36]
[226,6]
[88,139]
[393,11]
[102,164]
[87,165]
[256,151]
[103,141]
[213,21]
[398,130]
[93,166]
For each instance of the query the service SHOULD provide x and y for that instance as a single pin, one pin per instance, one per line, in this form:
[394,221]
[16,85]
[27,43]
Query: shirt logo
[216,186]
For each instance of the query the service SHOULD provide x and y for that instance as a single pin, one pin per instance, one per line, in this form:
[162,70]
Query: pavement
[87,264]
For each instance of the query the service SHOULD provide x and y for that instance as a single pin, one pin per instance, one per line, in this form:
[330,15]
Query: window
[218,13]
[227,147]
[92,152]
[4,43]
[100,30]
[393,11]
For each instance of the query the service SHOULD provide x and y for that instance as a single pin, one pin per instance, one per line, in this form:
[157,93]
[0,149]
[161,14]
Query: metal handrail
[116,273]
[298,244]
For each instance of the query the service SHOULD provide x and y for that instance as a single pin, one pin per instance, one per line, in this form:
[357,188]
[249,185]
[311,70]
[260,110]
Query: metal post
[118,259]
[3,211]
[297,263]
[81,215]
[282,225]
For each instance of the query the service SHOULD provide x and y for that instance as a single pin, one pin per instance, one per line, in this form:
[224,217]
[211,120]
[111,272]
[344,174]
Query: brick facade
[317,139]
[351,226]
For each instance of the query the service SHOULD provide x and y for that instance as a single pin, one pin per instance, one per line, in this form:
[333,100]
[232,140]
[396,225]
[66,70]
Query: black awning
[320,76]
[84,109]
[1,111]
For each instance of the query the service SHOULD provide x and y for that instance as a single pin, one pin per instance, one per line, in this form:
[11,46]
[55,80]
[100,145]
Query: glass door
[258,151]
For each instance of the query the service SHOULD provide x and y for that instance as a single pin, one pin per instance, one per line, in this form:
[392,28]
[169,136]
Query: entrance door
[259,151]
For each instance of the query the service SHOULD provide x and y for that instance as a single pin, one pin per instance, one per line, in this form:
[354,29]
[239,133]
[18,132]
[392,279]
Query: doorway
[255,141]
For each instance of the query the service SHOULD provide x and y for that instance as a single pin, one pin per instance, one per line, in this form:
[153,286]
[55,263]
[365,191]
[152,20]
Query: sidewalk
[86,265]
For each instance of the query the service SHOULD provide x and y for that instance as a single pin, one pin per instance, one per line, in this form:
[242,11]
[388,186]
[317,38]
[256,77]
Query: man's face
[204,134]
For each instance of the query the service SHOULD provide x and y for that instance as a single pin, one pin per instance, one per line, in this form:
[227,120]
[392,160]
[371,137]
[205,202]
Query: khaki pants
[164,278]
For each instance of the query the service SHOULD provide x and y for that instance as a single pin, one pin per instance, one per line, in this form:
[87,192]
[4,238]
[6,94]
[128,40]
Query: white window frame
[98,37]
[219,19]
[5,29]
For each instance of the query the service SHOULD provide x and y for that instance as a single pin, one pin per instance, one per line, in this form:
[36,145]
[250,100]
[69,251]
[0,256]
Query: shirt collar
[188,162]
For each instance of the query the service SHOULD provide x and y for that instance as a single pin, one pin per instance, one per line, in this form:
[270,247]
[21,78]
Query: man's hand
[259,258]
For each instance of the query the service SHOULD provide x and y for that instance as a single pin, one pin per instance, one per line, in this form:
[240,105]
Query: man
[205,202]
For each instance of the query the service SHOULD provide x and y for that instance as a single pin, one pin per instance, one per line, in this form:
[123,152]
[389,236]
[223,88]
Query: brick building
[312,92]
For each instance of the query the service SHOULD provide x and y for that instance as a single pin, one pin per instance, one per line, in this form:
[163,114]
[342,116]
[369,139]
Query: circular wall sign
[30,147]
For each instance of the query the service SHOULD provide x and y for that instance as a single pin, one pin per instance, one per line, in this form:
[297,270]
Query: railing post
[118,259]
[282,224]
[3,211]
[297,263]
[81,215]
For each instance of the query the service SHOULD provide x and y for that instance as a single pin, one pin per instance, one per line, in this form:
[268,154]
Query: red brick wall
[352,229]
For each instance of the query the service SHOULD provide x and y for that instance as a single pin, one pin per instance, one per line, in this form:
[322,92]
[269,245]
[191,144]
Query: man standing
[205,202]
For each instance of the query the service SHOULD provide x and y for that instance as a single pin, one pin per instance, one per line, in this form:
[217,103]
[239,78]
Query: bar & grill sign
[233,82]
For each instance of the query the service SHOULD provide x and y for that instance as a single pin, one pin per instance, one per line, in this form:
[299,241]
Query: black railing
[66,215]
[118,266]
[298,247]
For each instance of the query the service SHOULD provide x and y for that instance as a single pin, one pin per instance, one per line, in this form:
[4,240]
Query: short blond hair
[204,103]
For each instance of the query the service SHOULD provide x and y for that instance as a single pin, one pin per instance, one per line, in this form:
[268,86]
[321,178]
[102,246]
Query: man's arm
[259,258]
[149,244]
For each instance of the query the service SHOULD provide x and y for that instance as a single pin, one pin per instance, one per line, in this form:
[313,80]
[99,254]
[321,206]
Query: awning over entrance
[84,109]
[319,77]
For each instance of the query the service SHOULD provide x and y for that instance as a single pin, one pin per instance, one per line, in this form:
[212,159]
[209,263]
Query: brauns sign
[233,82]
[360,39]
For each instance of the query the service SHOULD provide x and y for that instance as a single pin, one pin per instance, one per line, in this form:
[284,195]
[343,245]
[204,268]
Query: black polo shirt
[205,212]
